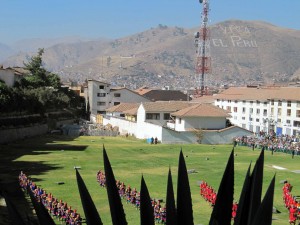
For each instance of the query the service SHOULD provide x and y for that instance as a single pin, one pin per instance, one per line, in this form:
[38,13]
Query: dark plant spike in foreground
[91,214]
[116,207]
[256,187]
[41,212]
[243,206]
[171,215]
[263,215]
[222,210]
[15,217]
[146,209]
[184,200]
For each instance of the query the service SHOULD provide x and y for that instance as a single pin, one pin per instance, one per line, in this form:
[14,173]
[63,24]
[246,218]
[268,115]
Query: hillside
[241,51]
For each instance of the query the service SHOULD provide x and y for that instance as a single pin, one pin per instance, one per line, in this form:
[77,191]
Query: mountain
[242,52]
[5,51]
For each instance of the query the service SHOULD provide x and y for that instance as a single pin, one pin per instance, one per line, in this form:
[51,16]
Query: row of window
[156,116]
[117,95]
[288,122]
[265,112]
[104,103]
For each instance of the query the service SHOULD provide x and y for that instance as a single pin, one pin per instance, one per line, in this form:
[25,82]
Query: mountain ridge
[242,52]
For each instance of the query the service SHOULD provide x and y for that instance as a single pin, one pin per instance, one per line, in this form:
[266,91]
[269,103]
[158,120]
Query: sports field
[51,159]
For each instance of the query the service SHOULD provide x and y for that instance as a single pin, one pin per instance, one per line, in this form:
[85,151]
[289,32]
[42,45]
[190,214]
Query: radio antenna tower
[202,43]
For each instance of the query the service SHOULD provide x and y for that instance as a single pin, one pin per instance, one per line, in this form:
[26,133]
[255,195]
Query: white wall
[7,76]
[210,123]
[125,126]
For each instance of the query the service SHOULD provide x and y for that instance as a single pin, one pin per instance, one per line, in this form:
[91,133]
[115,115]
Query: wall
[7,76]
[125,126]
[14,134]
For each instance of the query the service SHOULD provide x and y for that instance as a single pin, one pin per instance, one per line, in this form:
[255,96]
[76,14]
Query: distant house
[173,122]
[163,95]
[11,75]
[101,96]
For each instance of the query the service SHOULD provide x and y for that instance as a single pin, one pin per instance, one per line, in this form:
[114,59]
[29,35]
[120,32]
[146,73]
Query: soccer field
[51,159]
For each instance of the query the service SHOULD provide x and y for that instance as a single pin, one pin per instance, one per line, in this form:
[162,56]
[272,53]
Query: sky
[24,19]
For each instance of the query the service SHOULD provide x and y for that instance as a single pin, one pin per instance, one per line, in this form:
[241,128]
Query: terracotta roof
[204,99]
[132,112]
[166,106]
[122,107]
[201,110]
[142,91]
[261,93]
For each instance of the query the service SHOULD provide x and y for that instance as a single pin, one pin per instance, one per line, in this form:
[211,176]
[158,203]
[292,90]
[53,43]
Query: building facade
[267,109]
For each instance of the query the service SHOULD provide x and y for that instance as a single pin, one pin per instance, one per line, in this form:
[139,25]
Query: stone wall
[14,134]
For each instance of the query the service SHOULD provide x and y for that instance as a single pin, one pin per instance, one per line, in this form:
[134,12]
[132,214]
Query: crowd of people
[56,208]
[210,195]
[283,143]
[132,196]
[291,203]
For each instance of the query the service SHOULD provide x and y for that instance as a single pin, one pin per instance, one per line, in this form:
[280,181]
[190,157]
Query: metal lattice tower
[202,43]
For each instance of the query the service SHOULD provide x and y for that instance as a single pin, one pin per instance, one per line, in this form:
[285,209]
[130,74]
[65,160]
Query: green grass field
[51,159]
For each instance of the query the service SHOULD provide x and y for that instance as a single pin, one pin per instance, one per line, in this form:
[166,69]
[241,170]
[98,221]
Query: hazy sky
[21,19]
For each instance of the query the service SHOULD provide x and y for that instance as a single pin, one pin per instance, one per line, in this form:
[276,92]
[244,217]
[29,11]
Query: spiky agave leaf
[243,206]
[171,214]
[222,210]
[146,209]
[256,187]
[263,215]
[15,216]
[184,200]
[116,207]
[41,212]
[91,214]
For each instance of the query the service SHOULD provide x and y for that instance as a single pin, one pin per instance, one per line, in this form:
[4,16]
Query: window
[257,120]
[244,102]
[228,108]
[296,123]
[218,100]
[116,103]
[265,112]
[101,94]
[152,116]
[272,102]
[251,102]
[251,110]
[288,121]
[288,112]
[298,113]
[257,111]
[279,112]
[279,120]
[234,109]
[279,103]
[166,116]
[117,95]
[101,103]
[289,103]
[101,86]
[243,118]
[298,104]
[244,109]
[235,101]
[265,103]
[179,120]
[229,101]
[257,102]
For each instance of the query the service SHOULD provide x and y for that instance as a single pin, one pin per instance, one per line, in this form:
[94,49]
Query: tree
[199,133]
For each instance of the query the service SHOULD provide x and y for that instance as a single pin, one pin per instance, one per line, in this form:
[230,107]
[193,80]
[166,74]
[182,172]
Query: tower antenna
[202,43]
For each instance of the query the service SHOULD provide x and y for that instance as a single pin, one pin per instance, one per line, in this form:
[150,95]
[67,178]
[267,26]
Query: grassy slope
[48,161]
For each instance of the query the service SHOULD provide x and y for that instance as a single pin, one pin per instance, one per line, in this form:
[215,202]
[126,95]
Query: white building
[263,108]
[11,75]
[173,122]
[100,96]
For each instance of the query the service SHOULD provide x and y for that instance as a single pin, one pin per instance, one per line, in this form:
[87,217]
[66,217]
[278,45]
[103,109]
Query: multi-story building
[263,108]
[100,96]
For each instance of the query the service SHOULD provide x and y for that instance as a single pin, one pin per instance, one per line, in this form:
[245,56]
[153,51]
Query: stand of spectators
[132,196]
[281,143]
[56,208]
